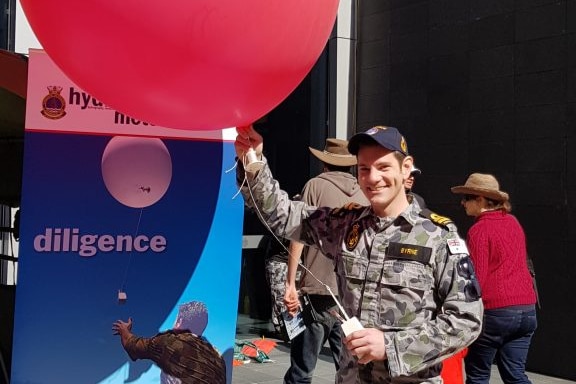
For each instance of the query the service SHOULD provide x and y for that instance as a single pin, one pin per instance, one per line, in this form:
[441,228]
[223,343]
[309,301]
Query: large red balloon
[188,64]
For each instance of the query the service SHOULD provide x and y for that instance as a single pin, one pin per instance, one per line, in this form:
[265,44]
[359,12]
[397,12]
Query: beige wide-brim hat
[481,184]
[335,153]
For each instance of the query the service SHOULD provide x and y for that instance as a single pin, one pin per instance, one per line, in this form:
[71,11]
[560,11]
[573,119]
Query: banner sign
[119,219]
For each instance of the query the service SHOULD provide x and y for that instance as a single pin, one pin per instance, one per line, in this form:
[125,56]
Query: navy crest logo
[404,145]
[353,238]
[376,129]
[53,104]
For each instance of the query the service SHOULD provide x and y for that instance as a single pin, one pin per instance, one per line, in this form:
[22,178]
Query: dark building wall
[3,25]
[7,297]
[7,24]
[487,86]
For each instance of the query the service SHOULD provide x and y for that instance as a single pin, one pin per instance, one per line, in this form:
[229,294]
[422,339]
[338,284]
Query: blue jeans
[505,339]
[305,348]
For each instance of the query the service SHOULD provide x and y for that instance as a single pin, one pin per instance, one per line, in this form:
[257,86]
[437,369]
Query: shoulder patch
[436,218]
[353,237]
[457,246]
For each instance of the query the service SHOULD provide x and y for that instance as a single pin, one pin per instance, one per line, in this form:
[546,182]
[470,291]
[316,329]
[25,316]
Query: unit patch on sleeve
[457,246]
[353,237]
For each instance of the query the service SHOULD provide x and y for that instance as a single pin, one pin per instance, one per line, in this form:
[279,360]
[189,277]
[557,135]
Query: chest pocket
[407,266]
[353,267]
[406,274]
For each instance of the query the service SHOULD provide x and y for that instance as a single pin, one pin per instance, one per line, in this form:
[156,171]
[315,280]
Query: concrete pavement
[273,372]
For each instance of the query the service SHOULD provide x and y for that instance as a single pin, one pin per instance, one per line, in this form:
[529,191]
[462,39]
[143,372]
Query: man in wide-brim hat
[335,153]
[334,187]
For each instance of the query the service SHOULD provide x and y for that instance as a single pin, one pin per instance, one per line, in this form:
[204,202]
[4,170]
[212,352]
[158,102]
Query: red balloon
[188,64]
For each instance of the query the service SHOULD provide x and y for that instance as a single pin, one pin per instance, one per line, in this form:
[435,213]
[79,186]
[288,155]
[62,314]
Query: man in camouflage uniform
[276,271]
[403,272]
[333,187]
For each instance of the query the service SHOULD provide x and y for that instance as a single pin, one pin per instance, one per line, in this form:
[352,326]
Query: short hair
[498,205]
[193,316]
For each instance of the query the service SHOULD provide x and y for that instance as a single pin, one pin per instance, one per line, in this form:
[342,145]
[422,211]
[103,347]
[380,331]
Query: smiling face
[381,176]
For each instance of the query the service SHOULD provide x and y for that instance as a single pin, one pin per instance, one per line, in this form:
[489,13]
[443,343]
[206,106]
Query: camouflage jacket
[411,277]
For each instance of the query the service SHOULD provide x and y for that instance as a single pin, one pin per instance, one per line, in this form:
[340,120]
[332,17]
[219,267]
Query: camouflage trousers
[276,273]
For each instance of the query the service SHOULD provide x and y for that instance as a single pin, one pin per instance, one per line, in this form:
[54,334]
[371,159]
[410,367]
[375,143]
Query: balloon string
[292,257]
[232,168]
[243,181]
[124,281]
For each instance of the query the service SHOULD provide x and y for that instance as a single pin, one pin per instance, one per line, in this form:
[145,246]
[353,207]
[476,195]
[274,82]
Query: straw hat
[335,153]
[481,184]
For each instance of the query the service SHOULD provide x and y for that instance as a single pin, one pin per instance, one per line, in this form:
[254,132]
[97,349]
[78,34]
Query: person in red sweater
[497,246]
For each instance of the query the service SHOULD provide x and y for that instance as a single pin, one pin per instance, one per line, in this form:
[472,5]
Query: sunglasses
[469,197]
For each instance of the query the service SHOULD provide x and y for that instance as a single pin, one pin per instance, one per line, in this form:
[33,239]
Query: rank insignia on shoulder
[436,218]
[353,237]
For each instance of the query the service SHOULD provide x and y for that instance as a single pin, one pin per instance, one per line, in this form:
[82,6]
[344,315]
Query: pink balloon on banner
[188,64]
[136,170]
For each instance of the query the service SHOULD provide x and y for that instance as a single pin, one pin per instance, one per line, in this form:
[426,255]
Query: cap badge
[376,129]
[404,145]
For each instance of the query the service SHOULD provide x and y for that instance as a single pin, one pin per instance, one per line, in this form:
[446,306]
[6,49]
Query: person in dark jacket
[334,187]
[409,185]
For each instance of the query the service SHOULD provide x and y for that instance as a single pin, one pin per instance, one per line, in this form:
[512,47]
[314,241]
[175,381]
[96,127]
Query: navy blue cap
[387,137]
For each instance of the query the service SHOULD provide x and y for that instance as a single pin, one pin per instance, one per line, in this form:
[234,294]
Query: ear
[407,166]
